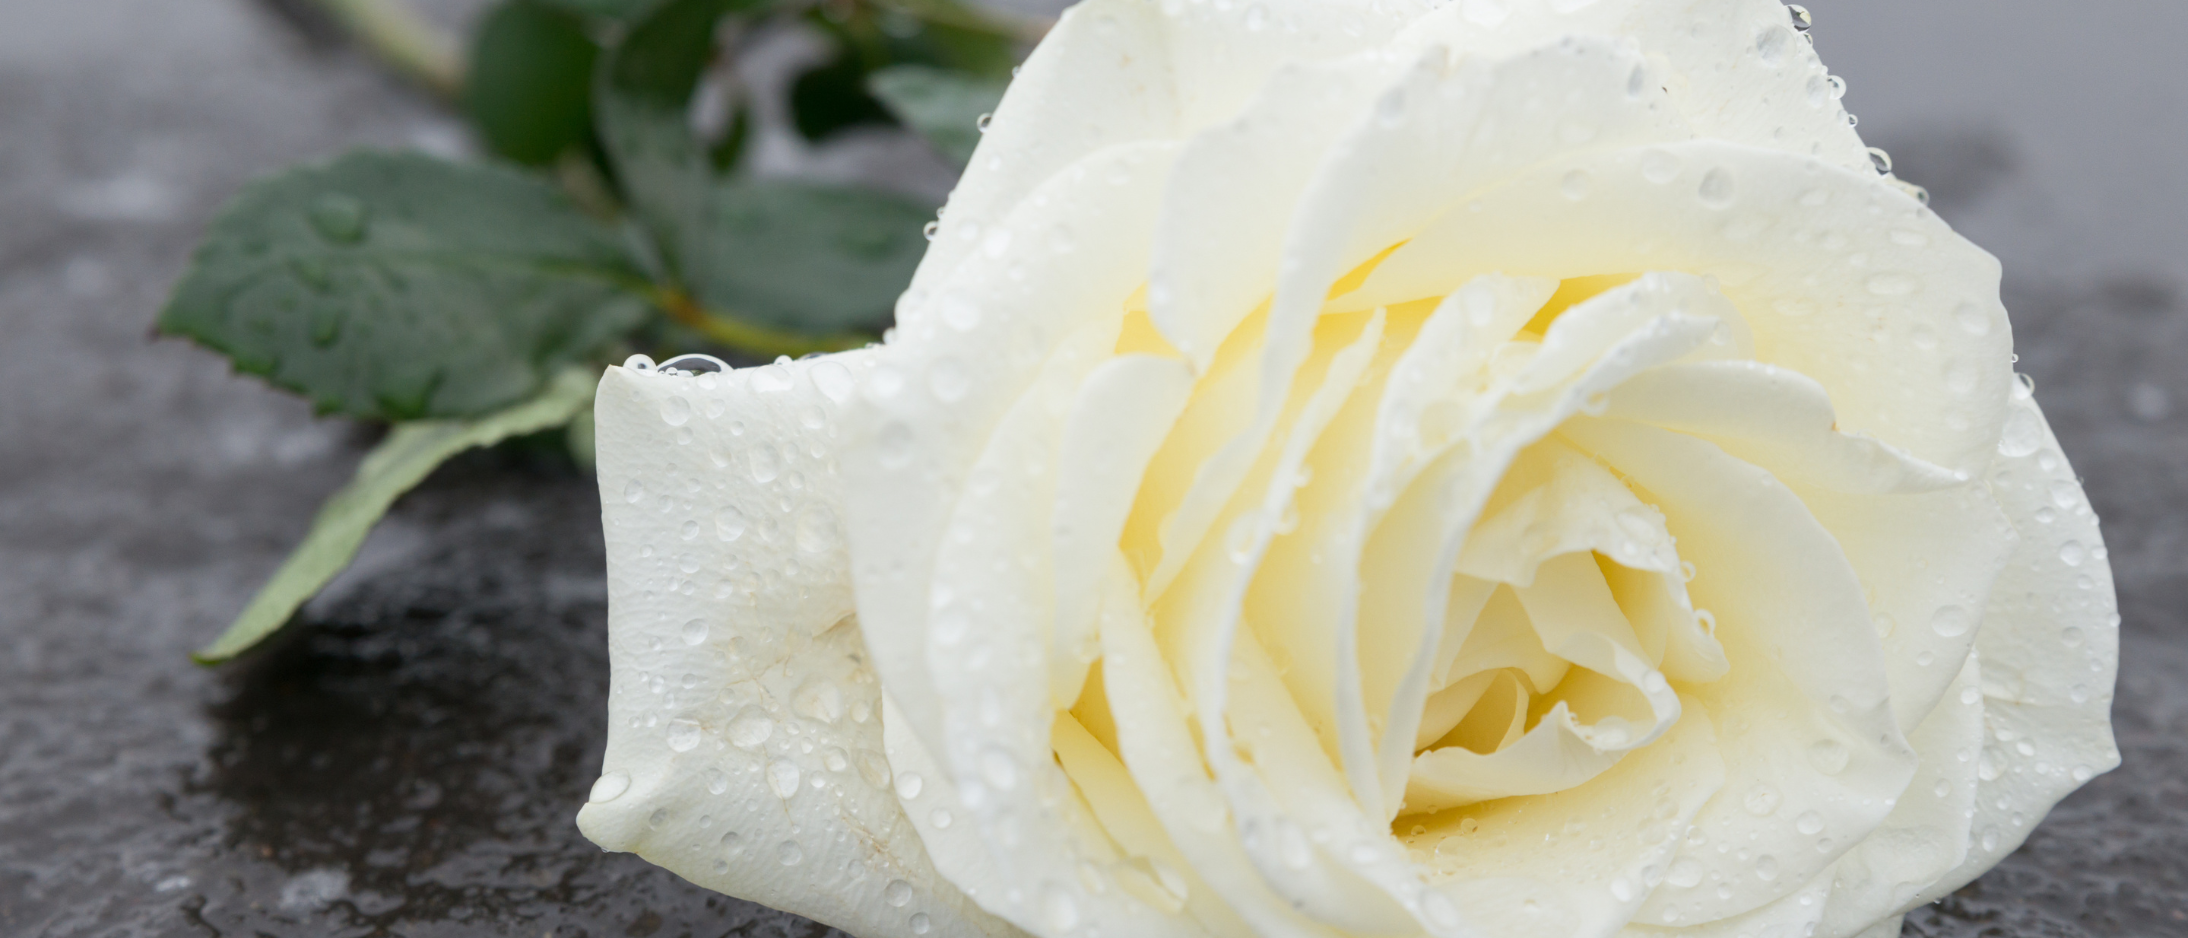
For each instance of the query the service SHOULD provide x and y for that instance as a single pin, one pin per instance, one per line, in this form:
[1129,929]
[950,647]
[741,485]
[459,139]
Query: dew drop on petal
[683,735]
[750,729]
[782,778]
[1951,621]
[609,787]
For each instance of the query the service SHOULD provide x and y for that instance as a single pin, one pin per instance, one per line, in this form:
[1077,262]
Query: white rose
[1491,468]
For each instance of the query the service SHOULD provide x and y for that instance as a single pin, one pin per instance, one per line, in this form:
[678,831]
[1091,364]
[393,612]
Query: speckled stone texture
[408,762]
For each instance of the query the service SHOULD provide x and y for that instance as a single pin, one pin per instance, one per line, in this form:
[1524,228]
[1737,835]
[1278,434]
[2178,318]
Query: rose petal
[934,395]
[1926,835]
[1491,860]
[1385,178]
[1778,419]
[1803,713]
[715,566]
[1781,234]
[2049,643]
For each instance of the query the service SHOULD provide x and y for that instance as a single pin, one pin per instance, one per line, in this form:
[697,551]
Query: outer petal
[2050,650]
[744,741]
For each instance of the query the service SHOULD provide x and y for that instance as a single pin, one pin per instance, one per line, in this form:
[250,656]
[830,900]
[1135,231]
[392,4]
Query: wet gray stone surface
[407,762]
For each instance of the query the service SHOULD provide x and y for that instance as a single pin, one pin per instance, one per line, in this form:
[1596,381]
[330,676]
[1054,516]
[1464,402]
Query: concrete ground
[409,761]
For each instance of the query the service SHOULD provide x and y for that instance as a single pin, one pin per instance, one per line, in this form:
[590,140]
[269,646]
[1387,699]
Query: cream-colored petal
[936,393]
[1435,134]
[1158,748]
[1804,713]
[1581,507]
[1119,72]
[1308,580]
[1777,419]
[1929,561]
[1578,862]
[1734,69]
[1403,585]
[744,736]
[1101,78]
[1926,835]
[1782,234]
[989,640]
[1797,913]
[1120,417]
[2049,642]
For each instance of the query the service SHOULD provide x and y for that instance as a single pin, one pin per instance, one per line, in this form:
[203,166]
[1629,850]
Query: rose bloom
[1466,469]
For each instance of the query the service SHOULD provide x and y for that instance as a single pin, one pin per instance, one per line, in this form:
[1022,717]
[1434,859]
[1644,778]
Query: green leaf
[830,98]
[944,106]
[529,88]
[811,258]
[396,286]
[399,463]
[641,101]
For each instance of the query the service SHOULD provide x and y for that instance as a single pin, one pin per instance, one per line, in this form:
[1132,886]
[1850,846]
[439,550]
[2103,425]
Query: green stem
[394,31]
[750,337]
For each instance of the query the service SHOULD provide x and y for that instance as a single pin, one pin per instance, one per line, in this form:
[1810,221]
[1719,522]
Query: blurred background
[408,762]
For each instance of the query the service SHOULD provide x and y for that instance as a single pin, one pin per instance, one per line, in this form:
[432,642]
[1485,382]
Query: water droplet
[675,411]
[1390,109]
[1575,185]
[816,530]
[1622,889]
[634,492]
[609,787]
[1766,868]
[1762,800]
[1883,163]
[929,229]
[1951,621]
[1717,188]
[898,893]
[1809,823]
[1802,22]
[683,735]
[766,464]
[1771,42]
[1239,538]
[908,785]
[339,217]
[999,769]
[981,123]
[920,923]
[2023,433]
[782,778]
[789,853]
[729,523]
[750,729]
[1685,873]
[2072,553]
[1659,166]
[695,632]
